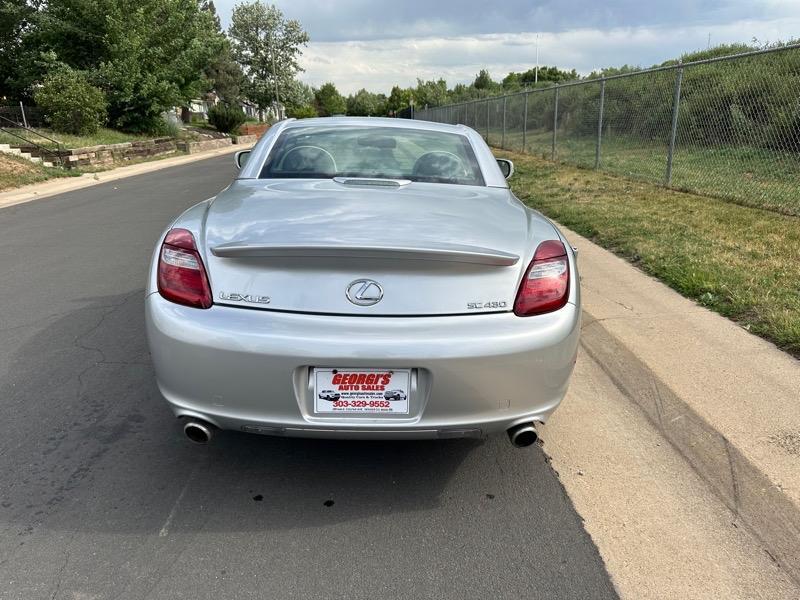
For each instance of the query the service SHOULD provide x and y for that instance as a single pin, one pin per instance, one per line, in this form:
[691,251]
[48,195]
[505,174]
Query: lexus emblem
[364,292]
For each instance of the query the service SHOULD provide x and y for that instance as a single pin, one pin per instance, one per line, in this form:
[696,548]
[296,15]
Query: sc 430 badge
[493,305]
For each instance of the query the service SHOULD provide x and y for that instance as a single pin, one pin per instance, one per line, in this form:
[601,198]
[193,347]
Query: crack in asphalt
[60,575]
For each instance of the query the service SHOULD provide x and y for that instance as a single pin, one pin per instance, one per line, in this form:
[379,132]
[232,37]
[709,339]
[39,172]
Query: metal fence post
[555,124]
[503,139]
[22,110]
[600,123]
[525,124]
[487,120]
[676,103]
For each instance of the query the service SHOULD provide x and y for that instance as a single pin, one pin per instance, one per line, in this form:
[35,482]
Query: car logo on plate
[364,292]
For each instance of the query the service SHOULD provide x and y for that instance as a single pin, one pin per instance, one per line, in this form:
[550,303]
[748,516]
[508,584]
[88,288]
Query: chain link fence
[726,127]
[23,116]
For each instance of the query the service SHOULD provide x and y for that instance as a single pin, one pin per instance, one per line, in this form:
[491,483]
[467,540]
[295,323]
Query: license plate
[372,391]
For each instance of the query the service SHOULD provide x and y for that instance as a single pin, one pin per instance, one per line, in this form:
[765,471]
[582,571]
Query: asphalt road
[102,497]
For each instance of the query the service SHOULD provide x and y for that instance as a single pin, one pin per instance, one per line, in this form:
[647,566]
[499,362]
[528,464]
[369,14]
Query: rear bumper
[250,369]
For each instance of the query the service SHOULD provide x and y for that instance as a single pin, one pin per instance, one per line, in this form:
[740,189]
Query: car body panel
[240,369]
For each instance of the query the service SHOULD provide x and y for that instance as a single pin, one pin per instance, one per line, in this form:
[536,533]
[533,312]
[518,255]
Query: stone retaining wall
[244,139]
[194,147]
[113,153]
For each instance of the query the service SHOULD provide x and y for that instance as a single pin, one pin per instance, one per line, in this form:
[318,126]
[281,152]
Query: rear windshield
[318,152]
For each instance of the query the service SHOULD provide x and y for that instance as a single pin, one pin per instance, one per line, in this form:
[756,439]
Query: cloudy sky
[361,43]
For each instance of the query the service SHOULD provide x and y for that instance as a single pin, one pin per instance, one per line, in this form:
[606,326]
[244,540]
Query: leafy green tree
[365,104]
[483,81]
[268,47]
[298,95]
[430,93]
[71,103]
[328,101]
[147,56]
[225,76]
[399,99]
[15,17]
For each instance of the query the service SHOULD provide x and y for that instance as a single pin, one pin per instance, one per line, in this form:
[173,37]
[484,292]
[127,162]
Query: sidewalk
[68,184]
[727,400]
[660,529]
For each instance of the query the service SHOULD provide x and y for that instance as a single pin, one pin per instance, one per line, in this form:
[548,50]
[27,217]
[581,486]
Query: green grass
[750,176]
[103,136]
[16,172]
[741,262]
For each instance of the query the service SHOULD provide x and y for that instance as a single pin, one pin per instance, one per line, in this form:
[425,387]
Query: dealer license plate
[374,391]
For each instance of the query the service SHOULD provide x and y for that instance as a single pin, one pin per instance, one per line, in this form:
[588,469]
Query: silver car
[356,257]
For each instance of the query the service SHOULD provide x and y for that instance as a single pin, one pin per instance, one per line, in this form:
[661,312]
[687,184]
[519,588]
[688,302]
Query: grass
[15,172]
[741,262]
[750,176]
[103,136]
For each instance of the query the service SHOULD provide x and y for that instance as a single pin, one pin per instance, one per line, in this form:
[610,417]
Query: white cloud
[379,64]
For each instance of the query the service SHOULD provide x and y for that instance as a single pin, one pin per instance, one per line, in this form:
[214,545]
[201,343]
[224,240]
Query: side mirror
[506,167]
[240,158]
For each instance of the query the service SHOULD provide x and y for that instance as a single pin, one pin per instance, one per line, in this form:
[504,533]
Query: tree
[399,99]
[15,17]
[268,47]
[328,101]
[298,95]
[483,81]
[225,76]
[147,56]
[430,93]
[365,104]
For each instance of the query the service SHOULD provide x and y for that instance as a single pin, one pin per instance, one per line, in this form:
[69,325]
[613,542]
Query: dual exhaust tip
[200,432]
[523,435]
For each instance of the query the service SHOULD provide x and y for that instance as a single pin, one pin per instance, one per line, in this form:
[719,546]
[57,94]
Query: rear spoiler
[441,252]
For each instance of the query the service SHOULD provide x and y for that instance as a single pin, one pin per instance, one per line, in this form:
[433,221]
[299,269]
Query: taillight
[545,287]
[181,274]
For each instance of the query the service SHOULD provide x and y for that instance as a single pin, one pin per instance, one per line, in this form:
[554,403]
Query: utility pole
[536,74]
[274,76]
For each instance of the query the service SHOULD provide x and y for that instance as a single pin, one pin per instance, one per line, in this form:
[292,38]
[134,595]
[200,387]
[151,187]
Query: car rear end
[431,310]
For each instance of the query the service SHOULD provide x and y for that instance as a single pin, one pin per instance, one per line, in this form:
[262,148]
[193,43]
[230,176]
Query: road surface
[102,497]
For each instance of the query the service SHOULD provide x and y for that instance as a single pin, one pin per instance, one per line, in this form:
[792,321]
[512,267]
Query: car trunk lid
[319,246]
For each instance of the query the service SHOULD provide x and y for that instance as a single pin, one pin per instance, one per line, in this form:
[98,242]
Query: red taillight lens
[181,274]
[545,287]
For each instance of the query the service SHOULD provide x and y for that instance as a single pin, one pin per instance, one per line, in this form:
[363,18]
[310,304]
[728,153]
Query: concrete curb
[725,399]
[742,485]
[60,186]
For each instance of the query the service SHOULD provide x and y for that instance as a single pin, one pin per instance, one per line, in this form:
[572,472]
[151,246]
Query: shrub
[225,118]
[302,112]
[70,103]
[166,128]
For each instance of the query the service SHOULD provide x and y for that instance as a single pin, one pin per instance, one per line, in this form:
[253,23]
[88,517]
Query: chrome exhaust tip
[198,431]
[523,435]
